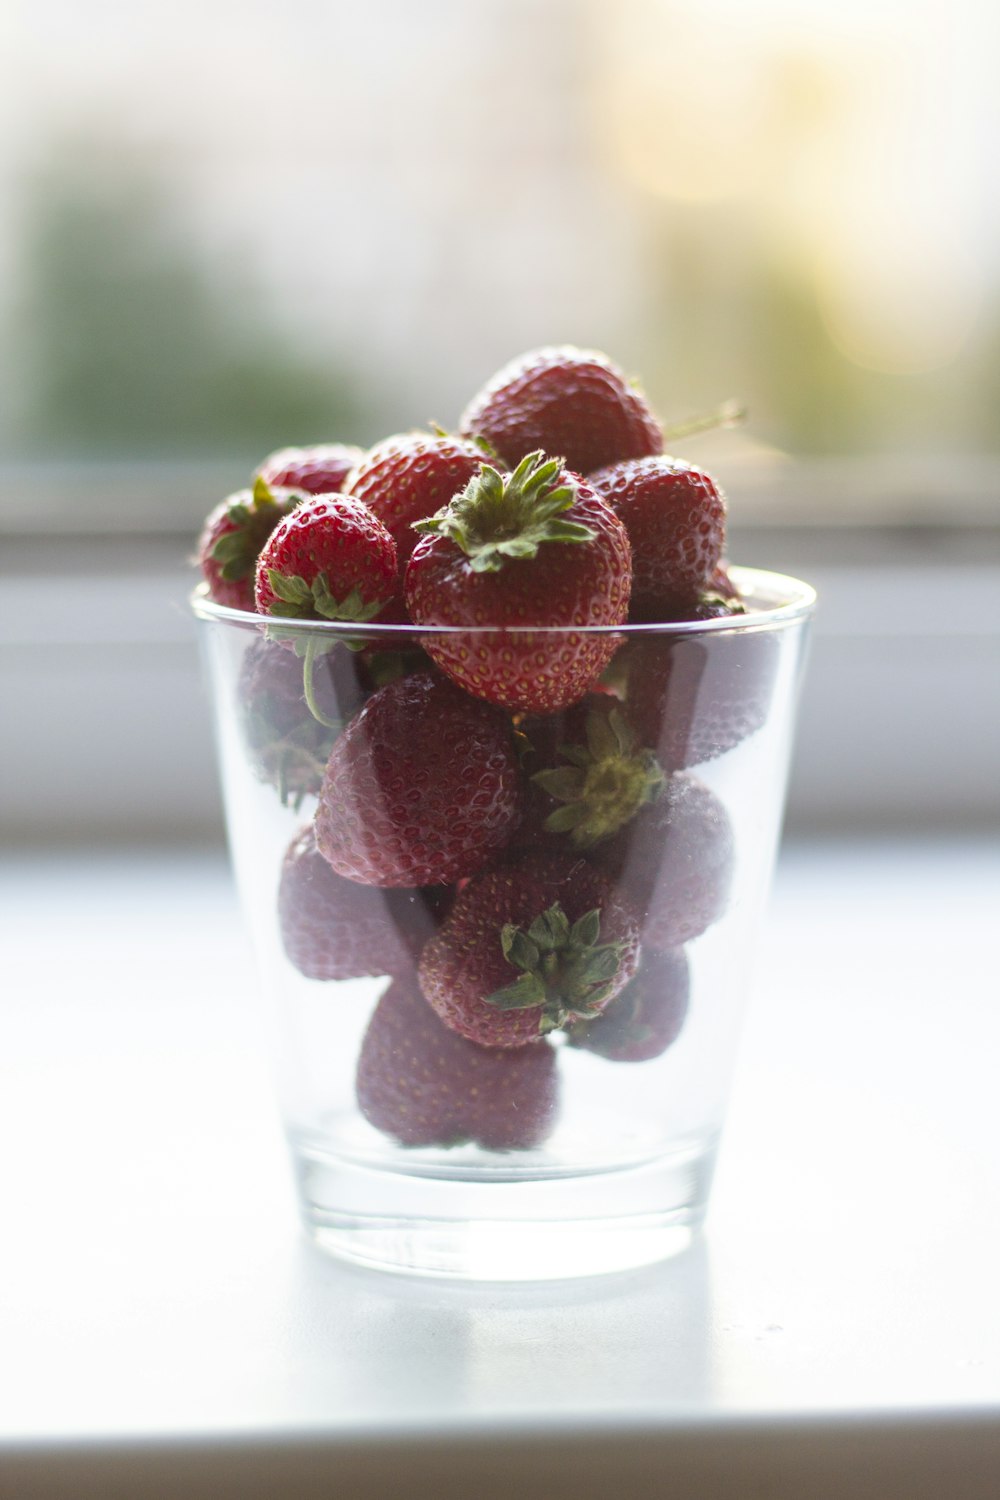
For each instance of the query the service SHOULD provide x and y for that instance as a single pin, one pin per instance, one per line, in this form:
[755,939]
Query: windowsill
[839,1319]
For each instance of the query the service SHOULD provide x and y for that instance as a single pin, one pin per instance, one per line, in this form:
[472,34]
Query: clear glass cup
[588,1148]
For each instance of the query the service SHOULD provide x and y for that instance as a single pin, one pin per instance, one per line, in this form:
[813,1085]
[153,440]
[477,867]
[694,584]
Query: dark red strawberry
[721,586]
[321,469]
[232,537]
[422,787]
[536,548]
[588,775]
[673,863]
[286,744]
[573,402]
[409,477]
[528,947]
[418,913]
[424,1086]
[647,1017]
[330,927]
[330,559]
[696,696]
[675,516]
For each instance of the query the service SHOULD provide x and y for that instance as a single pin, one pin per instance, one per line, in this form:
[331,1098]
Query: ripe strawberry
[675,516]
[286,744]
[673,863]
[420,1083]
[536,548]
[694,697]
[422,787]
[321,469]
[418,913]
[330,927]
[552,917]
[573,402]
[648,1015]
[231,539]
[407,478]
[329,560]
[588,775]
[721,586]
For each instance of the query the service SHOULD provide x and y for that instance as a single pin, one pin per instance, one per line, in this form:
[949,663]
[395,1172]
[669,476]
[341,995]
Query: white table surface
[165,1329]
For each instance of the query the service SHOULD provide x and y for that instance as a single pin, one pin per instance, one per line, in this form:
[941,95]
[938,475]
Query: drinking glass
[590,1147]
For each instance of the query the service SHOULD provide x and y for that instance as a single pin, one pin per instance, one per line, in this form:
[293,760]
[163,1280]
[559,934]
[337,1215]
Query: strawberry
[536,548]
[675,516]
[528,947]
[231,539]
[422,787]
[423,1085]
[673,863]
[407,478]
[721,586]
[321,469]
[647,1017]
[330,559]
[418,913]
[286,744]
[330,927]
[563,400]
[694,697]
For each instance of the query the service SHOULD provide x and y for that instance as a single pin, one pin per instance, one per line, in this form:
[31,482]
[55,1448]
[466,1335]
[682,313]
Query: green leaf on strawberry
[605,784]
[297,598]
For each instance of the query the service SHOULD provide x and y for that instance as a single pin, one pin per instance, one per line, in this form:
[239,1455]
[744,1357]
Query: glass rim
[791,600]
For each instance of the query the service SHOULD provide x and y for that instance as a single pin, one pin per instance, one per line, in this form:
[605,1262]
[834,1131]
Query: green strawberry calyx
[605,783]
[300,599]
[497,517]
[565,970]
[250,522]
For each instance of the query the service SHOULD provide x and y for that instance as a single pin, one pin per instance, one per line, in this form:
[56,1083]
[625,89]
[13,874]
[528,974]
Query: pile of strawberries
[505,821]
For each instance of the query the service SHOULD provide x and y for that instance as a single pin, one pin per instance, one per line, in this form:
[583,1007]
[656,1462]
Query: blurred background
[228,227]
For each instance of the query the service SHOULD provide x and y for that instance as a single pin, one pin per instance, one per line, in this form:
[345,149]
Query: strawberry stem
[729,414]
[314,648]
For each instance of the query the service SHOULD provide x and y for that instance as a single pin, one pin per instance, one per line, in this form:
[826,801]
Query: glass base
[505,1229]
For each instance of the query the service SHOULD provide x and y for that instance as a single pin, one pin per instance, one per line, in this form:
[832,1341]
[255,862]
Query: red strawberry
[285,743]
[418,913]
[673,863]
[423,787]
[694,697]
[536,548]
[231,539]
[721,586]
[321,469]
[648,1015]
[588,774]
[330,927]
[329,560]
[563,400]
[675,516]
[409,477]
[420,1083]
[528,947]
